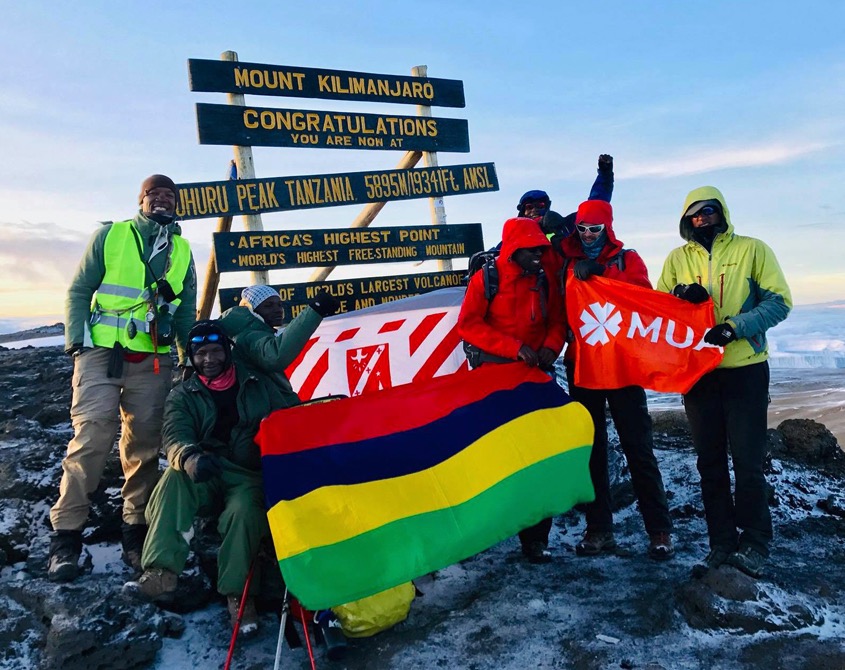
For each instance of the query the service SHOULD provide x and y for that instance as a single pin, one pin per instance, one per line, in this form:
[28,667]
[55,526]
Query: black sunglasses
[707,210]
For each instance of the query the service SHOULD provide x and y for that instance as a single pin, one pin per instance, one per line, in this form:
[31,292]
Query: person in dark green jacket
[210,422]
[253,325]
[133,294]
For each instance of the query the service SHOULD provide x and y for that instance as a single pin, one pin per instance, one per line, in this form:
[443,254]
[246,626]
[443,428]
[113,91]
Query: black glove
[605,163]
[585,268]
[694,293]
[201,467]
[720,335]
[325,304]
[74,349]
[552,222]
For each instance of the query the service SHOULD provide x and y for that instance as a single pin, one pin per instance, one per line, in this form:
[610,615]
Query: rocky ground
[493,610]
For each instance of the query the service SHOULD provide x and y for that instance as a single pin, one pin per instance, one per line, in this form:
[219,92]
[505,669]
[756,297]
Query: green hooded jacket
[92,268]
[257,344]
[190,415]
[742,276]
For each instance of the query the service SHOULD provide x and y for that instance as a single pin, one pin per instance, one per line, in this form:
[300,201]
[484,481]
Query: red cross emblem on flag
[368,369]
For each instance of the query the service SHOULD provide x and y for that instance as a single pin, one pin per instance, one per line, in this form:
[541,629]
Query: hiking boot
[713,560]
[536,552]
[157,585]
[65,548]
[748,560]
[332,633]
[133,536]
[249,618]
[660,546]
[595,542]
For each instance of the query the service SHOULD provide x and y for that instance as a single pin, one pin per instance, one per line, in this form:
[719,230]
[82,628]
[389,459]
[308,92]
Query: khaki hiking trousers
[101,405]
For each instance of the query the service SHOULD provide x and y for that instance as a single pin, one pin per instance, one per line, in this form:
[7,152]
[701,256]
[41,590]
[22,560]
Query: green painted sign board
[274,250]
[353,293]
[276,194]
[315,129]
[305,82]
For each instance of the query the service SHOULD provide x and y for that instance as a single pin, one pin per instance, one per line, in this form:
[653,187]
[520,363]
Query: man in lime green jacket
[727,407]
[133,294]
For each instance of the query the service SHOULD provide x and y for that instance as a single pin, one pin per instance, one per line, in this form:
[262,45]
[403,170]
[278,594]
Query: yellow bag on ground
[375,613]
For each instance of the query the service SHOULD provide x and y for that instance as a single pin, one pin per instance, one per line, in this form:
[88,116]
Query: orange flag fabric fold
[627,335]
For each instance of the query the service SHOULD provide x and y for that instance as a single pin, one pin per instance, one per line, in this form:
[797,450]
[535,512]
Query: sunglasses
[592,229]
[211,337]
[707,210]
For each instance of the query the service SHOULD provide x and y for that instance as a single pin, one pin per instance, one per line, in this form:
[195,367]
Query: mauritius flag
[369,492]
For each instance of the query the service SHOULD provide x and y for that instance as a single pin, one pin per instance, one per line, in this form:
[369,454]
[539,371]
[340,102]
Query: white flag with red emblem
[380,347]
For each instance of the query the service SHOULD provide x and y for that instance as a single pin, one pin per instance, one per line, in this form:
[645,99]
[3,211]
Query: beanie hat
[532,195]
[156,181]
[253,296]
[208,332]
[595,212]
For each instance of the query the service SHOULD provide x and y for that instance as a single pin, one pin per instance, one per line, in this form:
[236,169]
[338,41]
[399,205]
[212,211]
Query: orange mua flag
[627,335]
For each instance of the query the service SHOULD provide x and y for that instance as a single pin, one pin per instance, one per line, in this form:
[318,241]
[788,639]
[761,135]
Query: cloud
[38,255]
[697,160]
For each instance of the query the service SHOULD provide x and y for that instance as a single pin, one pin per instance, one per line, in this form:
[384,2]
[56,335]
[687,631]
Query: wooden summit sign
[306,82]
[269,250]
[353,293]
[276,194]
[275,127]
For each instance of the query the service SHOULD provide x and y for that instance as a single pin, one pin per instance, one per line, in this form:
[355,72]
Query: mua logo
[600,322]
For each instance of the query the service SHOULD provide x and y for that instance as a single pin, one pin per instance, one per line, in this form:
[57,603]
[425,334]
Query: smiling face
[159,200]
[210,360]
[529,259]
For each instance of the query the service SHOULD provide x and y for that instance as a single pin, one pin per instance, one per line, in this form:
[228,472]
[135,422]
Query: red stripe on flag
[298,360]
[306,391]
[347,334]
[438,356]
[390,326]
[424,330]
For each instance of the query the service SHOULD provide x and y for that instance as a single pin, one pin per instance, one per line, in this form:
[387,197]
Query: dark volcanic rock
[808,441]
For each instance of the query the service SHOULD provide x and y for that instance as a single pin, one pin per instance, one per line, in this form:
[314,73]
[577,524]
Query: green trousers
[176,501]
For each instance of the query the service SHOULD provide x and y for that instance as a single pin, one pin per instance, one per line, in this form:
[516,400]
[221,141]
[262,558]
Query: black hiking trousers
[629,410]
[726,410]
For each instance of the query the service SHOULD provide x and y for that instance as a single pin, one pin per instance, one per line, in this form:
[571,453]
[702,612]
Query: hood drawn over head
[594,212]
[698,195]
[522,233]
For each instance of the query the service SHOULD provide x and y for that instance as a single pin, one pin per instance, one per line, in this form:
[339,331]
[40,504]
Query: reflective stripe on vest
[123,298]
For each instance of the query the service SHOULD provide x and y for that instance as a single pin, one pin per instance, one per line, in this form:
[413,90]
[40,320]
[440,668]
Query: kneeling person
[210,422]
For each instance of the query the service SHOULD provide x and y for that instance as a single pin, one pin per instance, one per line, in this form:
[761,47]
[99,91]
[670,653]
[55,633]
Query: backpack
[485,261]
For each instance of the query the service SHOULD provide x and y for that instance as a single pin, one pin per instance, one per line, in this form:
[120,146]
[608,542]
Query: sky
[744,96]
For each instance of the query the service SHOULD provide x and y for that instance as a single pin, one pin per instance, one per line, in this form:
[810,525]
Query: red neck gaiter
[221,382]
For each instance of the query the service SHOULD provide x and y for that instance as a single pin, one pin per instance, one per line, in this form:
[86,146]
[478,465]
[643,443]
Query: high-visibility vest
[123,297]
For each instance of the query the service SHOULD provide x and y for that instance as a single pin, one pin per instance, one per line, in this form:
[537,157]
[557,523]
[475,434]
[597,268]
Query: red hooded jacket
[515,315]
[598,211]
[633,270]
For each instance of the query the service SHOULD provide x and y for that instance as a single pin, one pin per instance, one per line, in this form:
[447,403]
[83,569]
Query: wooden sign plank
[272,250]
[276,194]
[354,293]
[305,82]
[310,129]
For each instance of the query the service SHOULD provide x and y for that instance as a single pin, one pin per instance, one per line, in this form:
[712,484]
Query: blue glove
[720,335]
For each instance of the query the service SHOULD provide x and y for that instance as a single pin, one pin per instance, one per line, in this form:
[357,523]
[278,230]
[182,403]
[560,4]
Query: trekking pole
[285,612]
[307,637]
[240,613]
